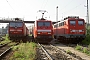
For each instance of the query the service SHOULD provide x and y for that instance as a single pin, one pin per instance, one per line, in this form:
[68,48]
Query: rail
[47,54]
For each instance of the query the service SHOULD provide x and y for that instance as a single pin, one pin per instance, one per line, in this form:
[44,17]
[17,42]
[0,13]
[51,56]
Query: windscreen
[16,24]
[43,23]
[72,22]
[80,22]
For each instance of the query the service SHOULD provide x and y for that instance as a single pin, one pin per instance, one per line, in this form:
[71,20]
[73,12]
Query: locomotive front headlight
[38,32]
[80,30]
[49,33]
[11,30]
[73,30]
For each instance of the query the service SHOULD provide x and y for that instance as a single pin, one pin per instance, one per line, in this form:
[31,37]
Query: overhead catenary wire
[11,7]
[44,4]
[73,8]
[67,4]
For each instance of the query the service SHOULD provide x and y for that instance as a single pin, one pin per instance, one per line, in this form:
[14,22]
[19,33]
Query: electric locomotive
[17,30]
[43,30]
[70,30]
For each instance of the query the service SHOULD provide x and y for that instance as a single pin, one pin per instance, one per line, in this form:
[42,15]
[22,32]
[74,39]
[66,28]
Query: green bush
[87,39]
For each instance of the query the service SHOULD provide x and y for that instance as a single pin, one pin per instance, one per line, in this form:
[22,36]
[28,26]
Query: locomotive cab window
[17,24]
[59,24]
[72,22]
[64,23]
[40,23]
[56,25]
[43,23]
[80,22]
[12,24]
[47,23]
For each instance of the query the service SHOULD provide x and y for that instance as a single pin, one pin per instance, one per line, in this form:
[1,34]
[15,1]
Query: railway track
[46,54]
[4,49]
[51,52]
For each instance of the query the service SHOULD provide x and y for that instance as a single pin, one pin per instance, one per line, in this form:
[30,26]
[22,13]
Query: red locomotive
[70,30]
[17,30]
[43,30]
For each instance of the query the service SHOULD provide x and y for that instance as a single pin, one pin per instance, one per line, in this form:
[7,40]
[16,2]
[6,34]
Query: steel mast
[87,15]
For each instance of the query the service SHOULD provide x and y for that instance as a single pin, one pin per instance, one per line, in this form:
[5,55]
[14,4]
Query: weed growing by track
[6,40]
[24,51]
[68,52]
[83,49]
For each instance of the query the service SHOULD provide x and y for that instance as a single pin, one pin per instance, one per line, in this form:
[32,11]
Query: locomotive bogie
[44,39]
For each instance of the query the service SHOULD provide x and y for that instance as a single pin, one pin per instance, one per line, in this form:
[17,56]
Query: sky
[28,9]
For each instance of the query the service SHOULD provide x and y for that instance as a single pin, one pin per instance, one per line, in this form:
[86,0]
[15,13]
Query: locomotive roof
[60,21]
[42,19]
[17,21]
